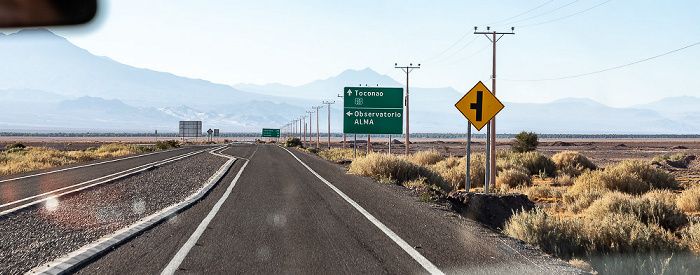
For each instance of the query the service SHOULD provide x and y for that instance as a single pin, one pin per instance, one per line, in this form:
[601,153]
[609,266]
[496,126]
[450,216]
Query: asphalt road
[23,188]
[280,217]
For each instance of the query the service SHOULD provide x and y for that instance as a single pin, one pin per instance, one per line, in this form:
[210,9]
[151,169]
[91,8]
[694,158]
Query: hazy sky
[296,42]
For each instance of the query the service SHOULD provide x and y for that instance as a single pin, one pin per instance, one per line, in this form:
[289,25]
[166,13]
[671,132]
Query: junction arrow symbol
[349,113]
[349,92]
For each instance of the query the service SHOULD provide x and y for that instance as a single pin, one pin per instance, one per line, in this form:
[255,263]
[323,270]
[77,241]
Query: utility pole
[491,130]
[311,122]
[343,129]
[318,130]
[407,70]
[329,122]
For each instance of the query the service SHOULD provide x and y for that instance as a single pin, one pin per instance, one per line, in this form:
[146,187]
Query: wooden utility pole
[329,122]
[407,70]
[491,130]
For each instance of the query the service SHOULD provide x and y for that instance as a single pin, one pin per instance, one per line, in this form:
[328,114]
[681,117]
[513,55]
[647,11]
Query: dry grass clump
[631,176]
[647,210]
[453,171]
[584,237]
[564,180]
[543,192]
[425,158]
[691,236]
[662,157]
[35,158]
[579,201]
[513,178]
[655,177]
[336,154]
[689,200]
[572,163]
[398,169]
[533,162]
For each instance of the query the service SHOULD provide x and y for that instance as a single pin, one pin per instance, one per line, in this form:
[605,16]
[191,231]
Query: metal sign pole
[487,173]
[389,144]
[355,145]
[467,184]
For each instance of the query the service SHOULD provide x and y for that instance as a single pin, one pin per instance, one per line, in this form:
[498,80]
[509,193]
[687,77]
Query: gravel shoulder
[40,234]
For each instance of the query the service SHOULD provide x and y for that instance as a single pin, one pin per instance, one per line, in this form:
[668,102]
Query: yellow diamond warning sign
[479,105]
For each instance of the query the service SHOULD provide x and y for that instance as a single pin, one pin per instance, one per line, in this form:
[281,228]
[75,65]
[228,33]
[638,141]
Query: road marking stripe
[116,176]
[182,253]
[430,267]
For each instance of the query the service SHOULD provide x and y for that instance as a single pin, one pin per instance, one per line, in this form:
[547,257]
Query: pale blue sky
[296,42]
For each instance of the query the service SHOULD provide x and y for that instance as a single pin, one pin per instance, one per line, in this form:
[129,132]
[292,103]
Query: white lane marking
[118,175]
[185,249]
[430,267]
[87,165]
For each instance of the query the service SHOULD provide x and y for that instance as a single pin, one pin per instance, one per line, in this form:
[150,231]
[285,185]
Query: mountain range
[49,84]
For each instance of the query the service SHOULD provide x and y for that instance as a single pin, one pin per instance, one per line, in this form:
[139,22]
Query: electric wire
[550,21]
[531,10]
[541,14]
[608,69]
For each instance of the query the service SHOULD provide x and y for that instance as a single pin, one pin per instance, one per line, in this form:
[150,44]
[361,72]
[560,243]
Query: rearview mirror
[34,13]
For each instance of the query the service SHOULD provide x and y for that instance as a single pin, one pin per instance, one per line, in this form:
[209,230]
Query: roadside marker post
[479,106]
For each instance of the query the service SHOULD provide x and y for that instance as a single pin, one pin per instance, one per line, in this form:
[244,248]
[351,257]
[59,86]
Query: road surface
[284,211]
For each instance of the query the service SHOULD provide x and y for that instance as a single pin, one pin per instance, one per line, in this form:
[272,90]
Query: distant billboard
[190,129]
[216,132]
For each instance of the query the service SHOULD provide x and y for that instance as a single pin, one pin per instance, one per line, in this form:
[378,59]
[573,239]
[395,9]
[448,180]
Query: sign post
[479,106]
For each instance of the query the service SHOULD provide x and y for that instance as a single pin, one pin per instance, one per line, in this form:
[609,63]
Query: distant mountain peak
[36,33]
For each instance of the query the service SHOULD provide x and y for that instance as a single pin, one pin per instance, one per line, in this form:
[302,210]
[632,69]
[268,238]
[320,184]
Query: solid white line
[430,267]
[182,253]
[87,165]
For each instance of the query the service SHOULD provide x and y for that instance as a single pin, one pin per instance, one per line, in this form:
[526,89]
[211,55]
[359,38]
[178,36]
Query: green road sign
[373,110]
[275,133]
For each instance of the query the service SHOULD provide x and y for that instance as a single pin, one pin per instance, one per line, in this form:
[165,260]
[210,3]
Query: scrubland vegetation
[629,216]
[19,158]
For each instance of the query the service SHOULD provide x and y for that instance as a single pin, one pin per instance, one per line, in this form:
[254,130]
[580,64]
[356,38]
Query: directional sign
[209,131]
[479,105]
[271,132]
[373,110]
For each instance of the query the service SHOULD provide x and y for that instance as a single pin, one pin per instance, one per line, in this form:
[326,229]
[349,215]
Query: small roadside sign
[479,105]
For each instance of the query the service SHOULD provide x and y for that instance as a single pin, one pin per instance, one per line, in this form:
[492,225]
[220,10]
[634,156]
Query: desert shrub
[385,166]
[664,196]
[691,236]
[662,157]
[651,175]
[537,163]
[582,236]
[543,191]
[689,199]
[336,154]
[16,145]
[525,142]
[167,144]
[579,201]
[91,149]
[564,180]
[632,177]
[645,209]
[477,170]
[312,150]
[293,142]
[424,158]
[512,178]
[572,163]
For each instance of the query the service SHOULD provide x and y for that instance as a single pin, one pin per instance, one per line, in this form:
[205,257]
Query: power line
[541,14]
[550,21]
[608,69]
[531,10]
[453,54]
